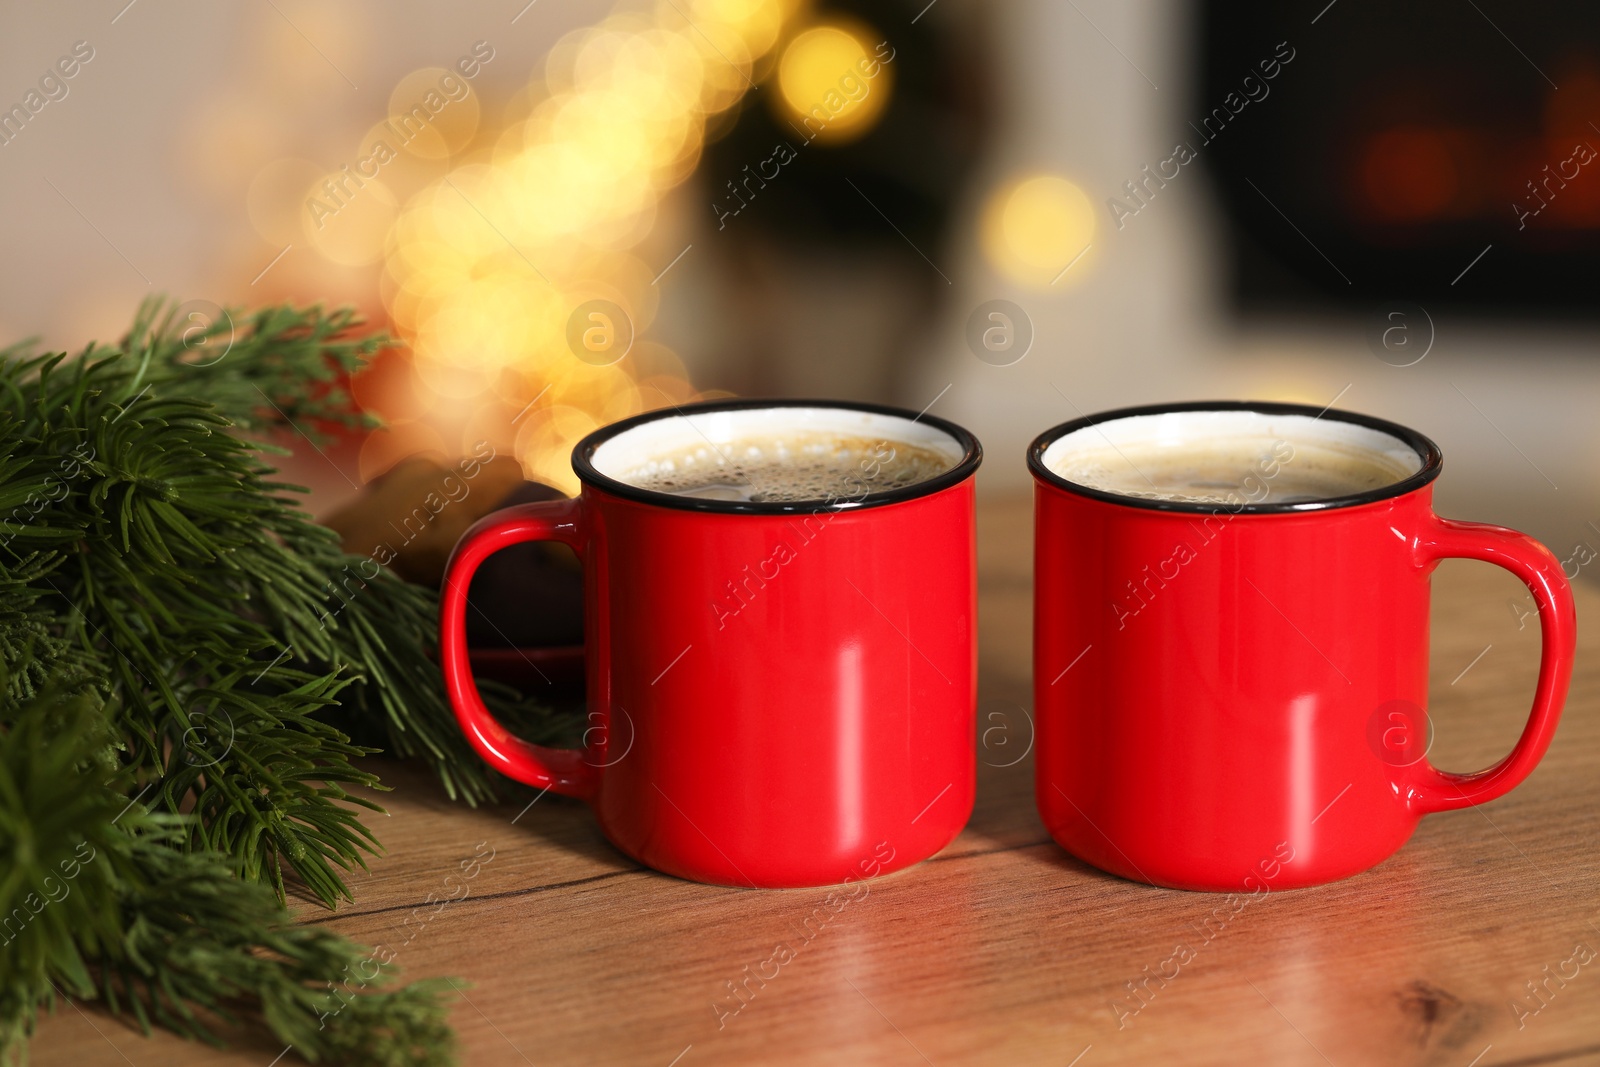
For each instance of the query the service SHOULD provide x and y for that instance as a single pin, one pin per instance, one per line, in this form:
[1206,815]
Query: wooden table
[1002,949]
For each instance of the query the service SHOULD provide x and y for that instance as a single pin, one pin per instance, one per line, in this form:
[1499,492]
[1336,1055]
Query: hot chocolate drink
[800,465]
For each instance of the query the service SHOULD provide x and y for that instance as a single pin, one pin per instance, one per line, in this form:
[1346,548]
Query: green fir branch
[99,900]
[208,664]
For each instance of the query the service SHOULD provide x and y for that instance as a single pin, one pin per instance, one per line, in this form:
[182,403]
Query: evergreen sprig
[101,899]
[151,569]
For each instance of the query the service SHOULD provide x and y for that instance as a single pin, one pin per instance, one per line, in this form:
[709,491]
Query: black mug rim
[583,460]
[1426,450]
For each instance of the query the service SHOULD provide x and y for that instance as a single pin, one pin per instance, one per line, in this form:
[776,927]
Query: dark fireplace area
[1443,151]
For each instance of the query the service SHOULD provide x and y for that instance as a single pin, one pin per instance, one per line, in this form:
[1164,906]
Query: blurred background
[1009,213]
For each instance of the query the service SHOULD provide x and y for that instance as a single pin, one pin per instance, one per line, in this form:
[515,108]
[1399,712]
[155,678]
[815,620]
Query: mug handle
[561,770]
[1434,790]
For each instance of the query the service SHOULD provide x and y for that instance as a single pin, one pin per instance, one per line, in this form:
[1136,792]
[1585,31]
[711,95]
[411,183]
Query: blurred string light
[826,74]
[1039,231]
[485,234]
[484,267]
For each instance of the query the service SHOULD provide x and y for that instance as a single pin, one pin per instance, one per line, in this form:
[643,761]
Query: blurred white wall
[136,181]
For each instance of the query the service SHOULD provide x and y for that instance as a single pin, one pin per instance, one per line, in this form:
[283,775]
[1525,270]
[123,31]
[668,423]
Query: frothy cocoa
[800,466]
[1230,470]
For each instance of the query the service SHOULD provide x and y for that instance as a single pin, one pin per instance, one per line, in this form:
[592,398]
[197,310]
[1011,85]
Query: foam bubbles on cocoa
[789,468]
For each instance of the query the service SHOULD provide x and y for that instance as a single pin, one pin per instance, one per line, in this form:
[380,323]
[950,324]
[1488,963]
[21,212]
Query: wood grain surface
[1003,949]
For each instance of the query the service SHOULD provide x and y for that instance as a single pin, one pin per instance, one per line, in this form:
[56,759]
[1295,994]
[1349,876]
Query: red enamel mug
[783,692]
[1231,695]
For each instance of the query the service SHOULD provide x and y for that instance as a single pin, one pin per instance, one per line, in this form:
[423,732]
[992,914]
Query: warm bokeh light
[353,229]
[832,84]
[1039,231]
[1280,392]
[1408,174]
[495,227]
[486,266]
[1567,115]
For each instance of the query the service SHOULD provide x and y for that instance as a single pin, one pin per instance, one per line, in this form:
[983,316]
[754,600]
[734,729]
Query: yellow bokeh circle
[832,83]
[347,218]
[1039,231]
